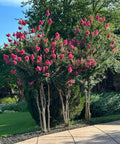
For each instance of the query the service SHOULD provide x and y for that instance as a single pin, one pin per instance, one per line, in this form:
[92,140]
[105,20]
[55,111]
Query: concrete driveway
[107,133]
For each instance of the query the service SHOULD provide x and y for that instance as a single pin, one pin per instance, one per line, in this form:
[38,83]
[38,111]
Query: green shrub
[105,104]
[76,102]
[19,107]
[8,100]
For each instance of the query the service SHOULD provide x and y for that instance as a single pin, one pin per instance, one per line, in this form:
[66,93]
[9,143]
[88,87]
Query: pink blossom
[87,32]
[32,57]
[38,68]
[65,42]
[19,28]
[62,56]
[91,20]
[71,47]
[51,62]
[70,84]
[109,35]
[43,69]
[89,46]
[37,48]
[48,13]
[53,44]
[93,34]
[70,56]
[8,35]
[81,21]
[85,19]
[6,45]
[10,40]
[89,17]
[5,57]
[103,18]
[47,62]
[40,22]
[39,58]
[21,52]
[19,83]
[26,58]
[88,23]
[38,28]
[85,24]
[115,36]
[97,17]
[19,58]
[39,62]
[96,32]
[13,72]
[91,61]
[50,21]
[76,72]
[57,38]
[39,35]
[33,30]
[24,22]
[14,34]
[70,65]
[53,55]
[115,49]
[13,56]
[14,62]
[71,80]
[31,83]
[46,50]
[113,42]
[69,69]
[100,36]
[107,24]
[47,74]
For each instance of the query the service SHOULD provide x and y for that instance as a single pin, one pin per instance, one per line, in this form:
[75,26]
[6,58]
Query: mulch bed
[21,137]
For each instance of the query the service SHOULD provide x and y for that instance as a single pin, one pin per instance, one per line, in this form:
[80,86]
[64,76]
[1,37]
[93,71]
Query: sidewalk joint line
[107,134]
[72,136]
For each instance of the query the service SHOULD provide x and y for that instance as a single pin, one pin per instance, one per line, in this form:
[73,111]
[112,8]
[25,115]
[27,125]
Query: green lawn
[21,122]
[15,123]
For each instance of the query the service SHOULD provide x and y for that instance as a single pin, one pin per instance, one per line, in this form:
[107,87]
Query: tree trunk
[86,105]
[43,104]
[39,110]
[62,102]
[65,105]
[48,107]
[44,120]
[89,114]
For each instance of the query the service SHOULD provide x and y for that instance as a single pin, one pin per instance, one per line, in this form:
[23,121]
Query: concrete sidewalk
[107,133]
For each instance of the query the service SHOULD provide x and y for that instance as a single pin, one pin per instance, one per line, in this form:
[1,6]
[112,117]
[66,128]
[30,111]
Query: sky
[9,10]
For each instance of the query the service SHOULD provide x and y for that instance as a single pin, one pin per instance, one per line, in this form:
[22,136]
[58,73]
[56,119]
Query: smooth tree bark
[39,110]
[43,105]
[65,105]
[48,107]
[87,99]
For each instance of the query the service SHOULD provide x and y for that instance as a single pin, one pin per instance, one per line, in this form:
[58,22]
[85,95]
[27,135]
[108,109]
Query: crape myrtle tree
[36,62]
[94,53]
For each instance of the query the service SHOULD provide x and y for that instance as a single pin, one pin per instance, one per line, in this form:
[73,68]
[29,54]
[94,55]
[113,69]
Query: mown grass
[16,123]
[98,120]
[21,122]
